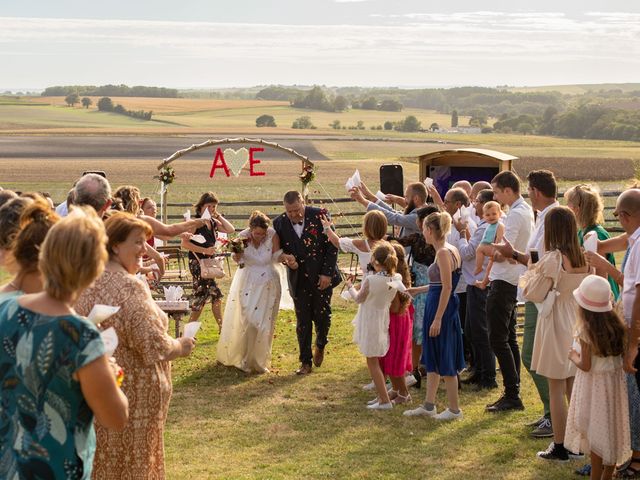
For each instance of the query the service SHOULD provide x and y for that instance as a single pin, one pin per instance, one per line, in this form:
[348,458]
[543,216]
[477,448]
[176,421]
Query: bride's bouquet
[237,245]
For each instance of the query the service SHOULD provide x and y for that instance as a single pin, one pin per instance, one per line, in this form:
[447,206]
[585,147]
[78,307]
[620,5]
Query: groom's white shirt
[298,228]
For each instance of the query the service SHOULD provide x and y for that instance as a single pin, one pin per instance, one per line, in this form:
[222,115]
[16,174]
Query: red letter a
[222,164]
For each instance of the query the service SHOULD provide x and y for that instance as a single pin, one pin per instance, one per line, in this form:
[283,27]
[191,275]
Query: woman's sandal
[627,471]
[400,399]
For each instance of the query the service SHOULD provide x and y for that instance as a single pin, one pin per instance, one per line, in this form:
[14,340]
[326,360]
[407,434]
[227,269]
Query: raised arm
[163,230]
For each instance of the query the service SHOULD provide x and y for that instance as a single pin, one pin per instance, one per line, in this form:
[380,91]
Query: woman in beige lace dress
[144,352]
[562,268]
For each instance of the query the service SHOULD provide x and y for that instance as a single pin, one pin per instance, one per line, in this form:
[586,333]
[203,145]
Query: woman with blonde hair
[144,351]
[585,202]
[54,362]
[442,348]
[254,299]
[35,222]
[551,282]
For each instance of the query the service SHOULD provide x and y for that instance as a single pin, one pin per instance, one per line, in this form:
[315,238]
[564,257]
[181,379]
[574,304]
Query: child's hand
[574,356]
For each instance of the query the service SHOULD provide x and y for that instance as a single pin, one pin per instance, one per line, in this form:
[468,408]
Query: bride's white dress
[252,308]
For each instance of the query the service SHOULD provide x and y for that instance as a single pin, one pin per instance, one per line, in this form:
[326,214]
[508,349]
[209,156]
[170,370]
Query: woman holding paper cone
[586,203]
[144,352]
[55,375]
[205,288]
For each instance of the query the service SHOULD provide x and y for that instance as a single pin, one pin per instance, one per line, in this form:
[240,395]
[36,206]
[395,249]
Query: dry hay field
[187,115]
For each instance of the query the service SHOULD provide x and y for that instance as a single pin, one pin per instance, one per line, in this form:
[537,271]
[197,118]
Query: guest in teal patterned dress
[53,370]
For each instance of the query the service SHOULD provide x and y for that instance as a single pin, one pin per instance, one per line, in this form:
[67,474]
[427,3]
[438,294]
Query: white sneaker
[410,380]
[449,415]
[421,412]
[380,406]
[371,386]
[371,402]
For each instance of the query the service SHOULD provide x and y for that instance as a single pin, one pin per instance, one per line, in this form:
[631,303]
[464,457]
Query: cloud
[414,48]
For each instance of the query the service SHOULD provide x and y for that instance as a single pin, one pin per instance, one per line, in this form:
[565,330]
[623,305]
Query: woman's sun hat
[594,294]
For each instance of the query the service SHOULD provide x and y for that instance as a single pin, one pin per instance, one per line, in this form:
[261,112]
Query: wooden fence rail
[346,209]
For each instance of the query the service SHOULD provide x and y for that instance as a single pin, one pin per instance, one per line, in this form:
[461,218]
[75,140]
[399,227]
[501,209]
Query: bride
[255,298]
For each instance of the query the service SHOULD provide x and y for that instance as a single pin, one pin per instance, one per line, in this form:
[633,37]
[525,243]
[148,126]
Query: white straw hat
[594,294]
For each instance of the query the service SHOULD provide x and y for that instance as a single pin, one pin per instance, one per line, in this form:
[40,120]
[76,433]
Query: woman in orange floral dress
[144,352]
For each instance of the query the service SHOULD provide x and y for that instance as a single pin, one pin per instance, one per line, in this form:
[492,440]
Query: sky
[241,43]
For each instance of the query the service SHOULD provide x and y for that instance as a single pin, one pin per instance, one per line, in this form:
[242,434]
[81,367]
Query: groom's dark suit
[315,256]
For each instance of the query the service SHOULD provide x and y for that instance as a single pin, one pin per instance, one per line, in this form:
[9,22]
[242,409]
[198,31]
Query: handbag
[541,290]
[211,268]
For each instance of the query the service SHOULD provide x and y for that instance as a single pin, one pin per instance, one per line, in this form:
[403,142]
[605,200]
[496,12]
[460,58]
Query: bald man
[464,185]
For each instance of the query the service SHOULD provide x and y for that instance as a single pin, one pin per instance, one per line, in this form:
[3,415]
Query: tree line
[105,104]
[110,91]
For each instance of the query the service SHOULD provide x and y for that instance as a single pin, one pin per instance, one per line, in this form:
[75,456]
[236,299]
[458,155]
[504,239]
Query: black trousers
[313,307]
[477,329]
[462,312]
[501,315]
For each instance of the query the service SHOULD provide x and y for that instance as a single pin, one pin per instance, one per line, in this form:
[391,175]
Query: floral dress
[203,288]
[46,425]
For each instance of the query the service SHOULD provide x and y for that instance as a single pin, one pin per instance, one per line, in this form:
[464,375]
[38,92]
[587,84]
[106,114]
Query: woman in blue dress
[442,348]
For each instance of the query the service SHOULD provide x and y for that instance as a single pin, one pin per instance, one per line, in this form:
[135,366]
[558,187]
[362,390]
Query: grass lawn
[226,424]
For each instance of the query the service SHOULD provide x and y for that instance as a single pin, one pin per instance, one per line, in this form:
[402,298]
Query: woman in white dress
[254,299]
[374,229]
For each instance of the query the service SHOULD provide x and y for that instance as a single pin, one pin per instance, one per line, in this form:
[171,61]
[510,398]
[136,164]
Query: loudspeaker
[392,179]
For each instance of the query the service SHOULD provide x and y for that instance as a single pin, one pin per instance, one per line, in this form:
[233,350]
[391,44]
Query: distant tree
[340,103]
[487,130]
[391,106]
[388,125]
[478,118]
[370,104]
[303,123]
[434,126]
[335,125]
[72,99]
[105,104]
[410,124]
[119,108]
[454,118]
[525,128]
[265,121]
[86,102]
[360,125]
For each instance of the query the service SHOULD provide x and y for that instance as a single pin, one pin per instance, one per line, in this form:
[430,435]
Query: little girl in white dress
[371,323]
[598,419]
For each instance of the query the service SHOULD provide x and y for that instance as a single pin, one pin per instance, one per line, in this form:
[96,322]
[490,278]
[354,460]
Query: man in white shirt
[542,191]
[502,296]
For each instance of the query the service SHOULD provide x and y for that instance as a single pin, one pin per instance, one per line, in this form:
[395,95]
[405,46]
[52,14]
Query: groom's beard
[411,206]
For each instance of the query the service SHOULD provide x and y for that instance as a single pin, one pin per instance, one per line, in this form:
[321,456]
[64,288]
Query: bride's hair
[259,220]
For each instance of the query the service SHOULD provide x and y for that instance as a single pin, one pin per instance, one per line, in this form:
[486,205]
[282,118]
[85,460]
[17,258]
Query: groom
[311,284]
